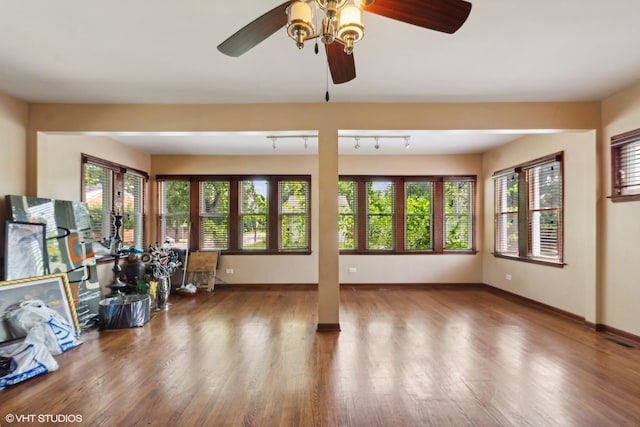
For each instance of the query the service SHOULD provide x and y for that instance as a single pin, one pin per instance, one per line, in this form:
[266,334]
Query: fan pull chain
[326,95]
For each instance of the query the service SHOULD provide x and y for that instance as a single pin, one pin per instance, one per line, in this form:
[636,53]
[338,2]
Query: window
[174,213]
[110,189]
[431,214]
[625,166]
[214,214]
[347,199]
[293,210]
[236,214]
[133,221]
[418,202]
[253,214]
[528,211]
[458,214]
[381,211]
[506,212]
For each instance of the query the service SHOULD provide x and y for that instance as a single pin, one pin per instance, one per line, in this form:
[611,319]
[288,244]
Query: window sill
[627,198]
[265,253]
[447,252]
[539,261]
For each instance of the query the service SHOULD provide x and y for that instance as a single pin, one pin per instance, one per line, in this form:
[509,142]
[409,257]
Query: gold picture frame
[52,289]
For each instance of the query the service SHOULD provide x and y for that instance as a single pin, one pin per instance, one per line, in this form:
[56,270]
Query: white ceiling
[420,142]
[77,51]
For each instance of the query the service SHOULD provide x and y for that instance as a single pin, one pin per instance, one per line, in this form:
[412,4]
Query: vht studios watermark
[43,418]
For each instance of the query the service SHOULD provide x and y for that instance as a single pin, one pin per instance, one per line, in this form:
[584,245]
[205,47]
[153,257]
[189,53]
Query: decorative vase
[162,293]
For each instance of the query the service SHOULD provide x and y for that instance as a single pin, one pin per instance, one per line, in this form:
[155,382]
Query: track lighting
[377,139]
[305,139]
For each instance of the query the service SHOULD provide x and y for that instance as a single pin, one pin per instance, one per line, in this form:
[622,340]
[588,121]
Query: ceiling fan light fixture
[330,7]
[350,26]
[300,22]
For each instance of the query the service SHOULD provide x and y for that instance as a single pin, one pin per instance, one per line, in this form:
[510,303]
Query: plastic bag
[59,335]
[31,358]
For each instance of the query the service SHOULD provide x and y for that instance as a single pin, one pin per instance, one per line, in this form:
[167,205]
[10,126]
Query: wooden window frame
[273,222]
[117,196]
[618,144]
[524,237]
[437,236]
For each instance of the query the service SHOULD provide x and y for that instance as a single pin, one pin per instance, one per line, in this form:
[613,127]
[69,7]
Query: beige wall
[304,269]
[60,162]
[327,119]
[572,288]
[256,269]
[620,224]
[60,167]
[599,281]
[14,116]
[415,268]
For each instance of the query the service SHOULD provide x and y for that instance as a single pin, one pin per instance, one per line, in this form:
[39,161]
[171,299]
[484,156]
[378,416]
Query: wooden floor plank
[406,356]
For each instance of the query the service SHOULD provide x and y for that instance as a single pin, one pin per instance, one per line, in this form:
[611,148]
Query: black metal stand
[116,246]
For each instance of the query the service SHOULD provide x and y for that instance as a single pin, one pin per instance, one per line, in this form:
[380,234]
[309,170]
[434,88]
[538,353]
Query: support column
[328,257]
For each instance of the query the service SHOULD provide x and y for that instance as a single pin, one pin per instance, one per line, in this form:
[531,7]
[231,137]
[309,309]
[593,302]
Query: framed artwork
[52,289]
[25,250]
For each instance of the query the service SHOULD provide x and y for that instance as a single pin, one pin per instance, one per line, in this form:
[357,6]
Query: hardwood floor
[405,357]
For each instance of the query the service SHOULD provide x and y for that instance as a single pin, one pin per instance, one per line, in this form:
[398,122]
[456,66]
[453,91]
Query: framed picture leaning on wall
[52,289]
[25,251]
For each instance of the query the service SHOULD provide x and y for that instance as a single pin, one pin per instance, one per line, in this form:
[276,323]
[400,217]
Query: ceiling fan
[342,25]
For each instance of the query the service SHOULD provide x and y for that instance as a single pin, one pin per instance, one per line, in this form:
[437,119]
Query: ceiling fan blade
[341,65]
[446,16]
[256,31]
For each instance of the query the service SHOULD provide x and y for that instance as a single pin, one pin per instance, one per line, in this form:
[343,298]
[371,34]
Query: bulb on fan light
[299,22]
[350,27]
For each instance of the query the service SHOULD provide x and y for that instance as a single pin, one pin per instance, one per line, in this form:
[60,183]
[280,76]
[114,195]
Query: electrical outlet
[353,270]
[229,271]
[507,276]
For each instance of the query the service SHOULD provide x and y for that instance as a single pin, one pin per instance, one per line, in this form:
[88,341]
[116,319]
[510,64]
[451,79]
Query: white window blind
[293,211]
[528,211]
[98,194]
[506,214]
[418,199]
[253,214]
[545,210]
[174,213]
[458,215]
[347,211]
[381,198]
[625,164]
[214,215]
